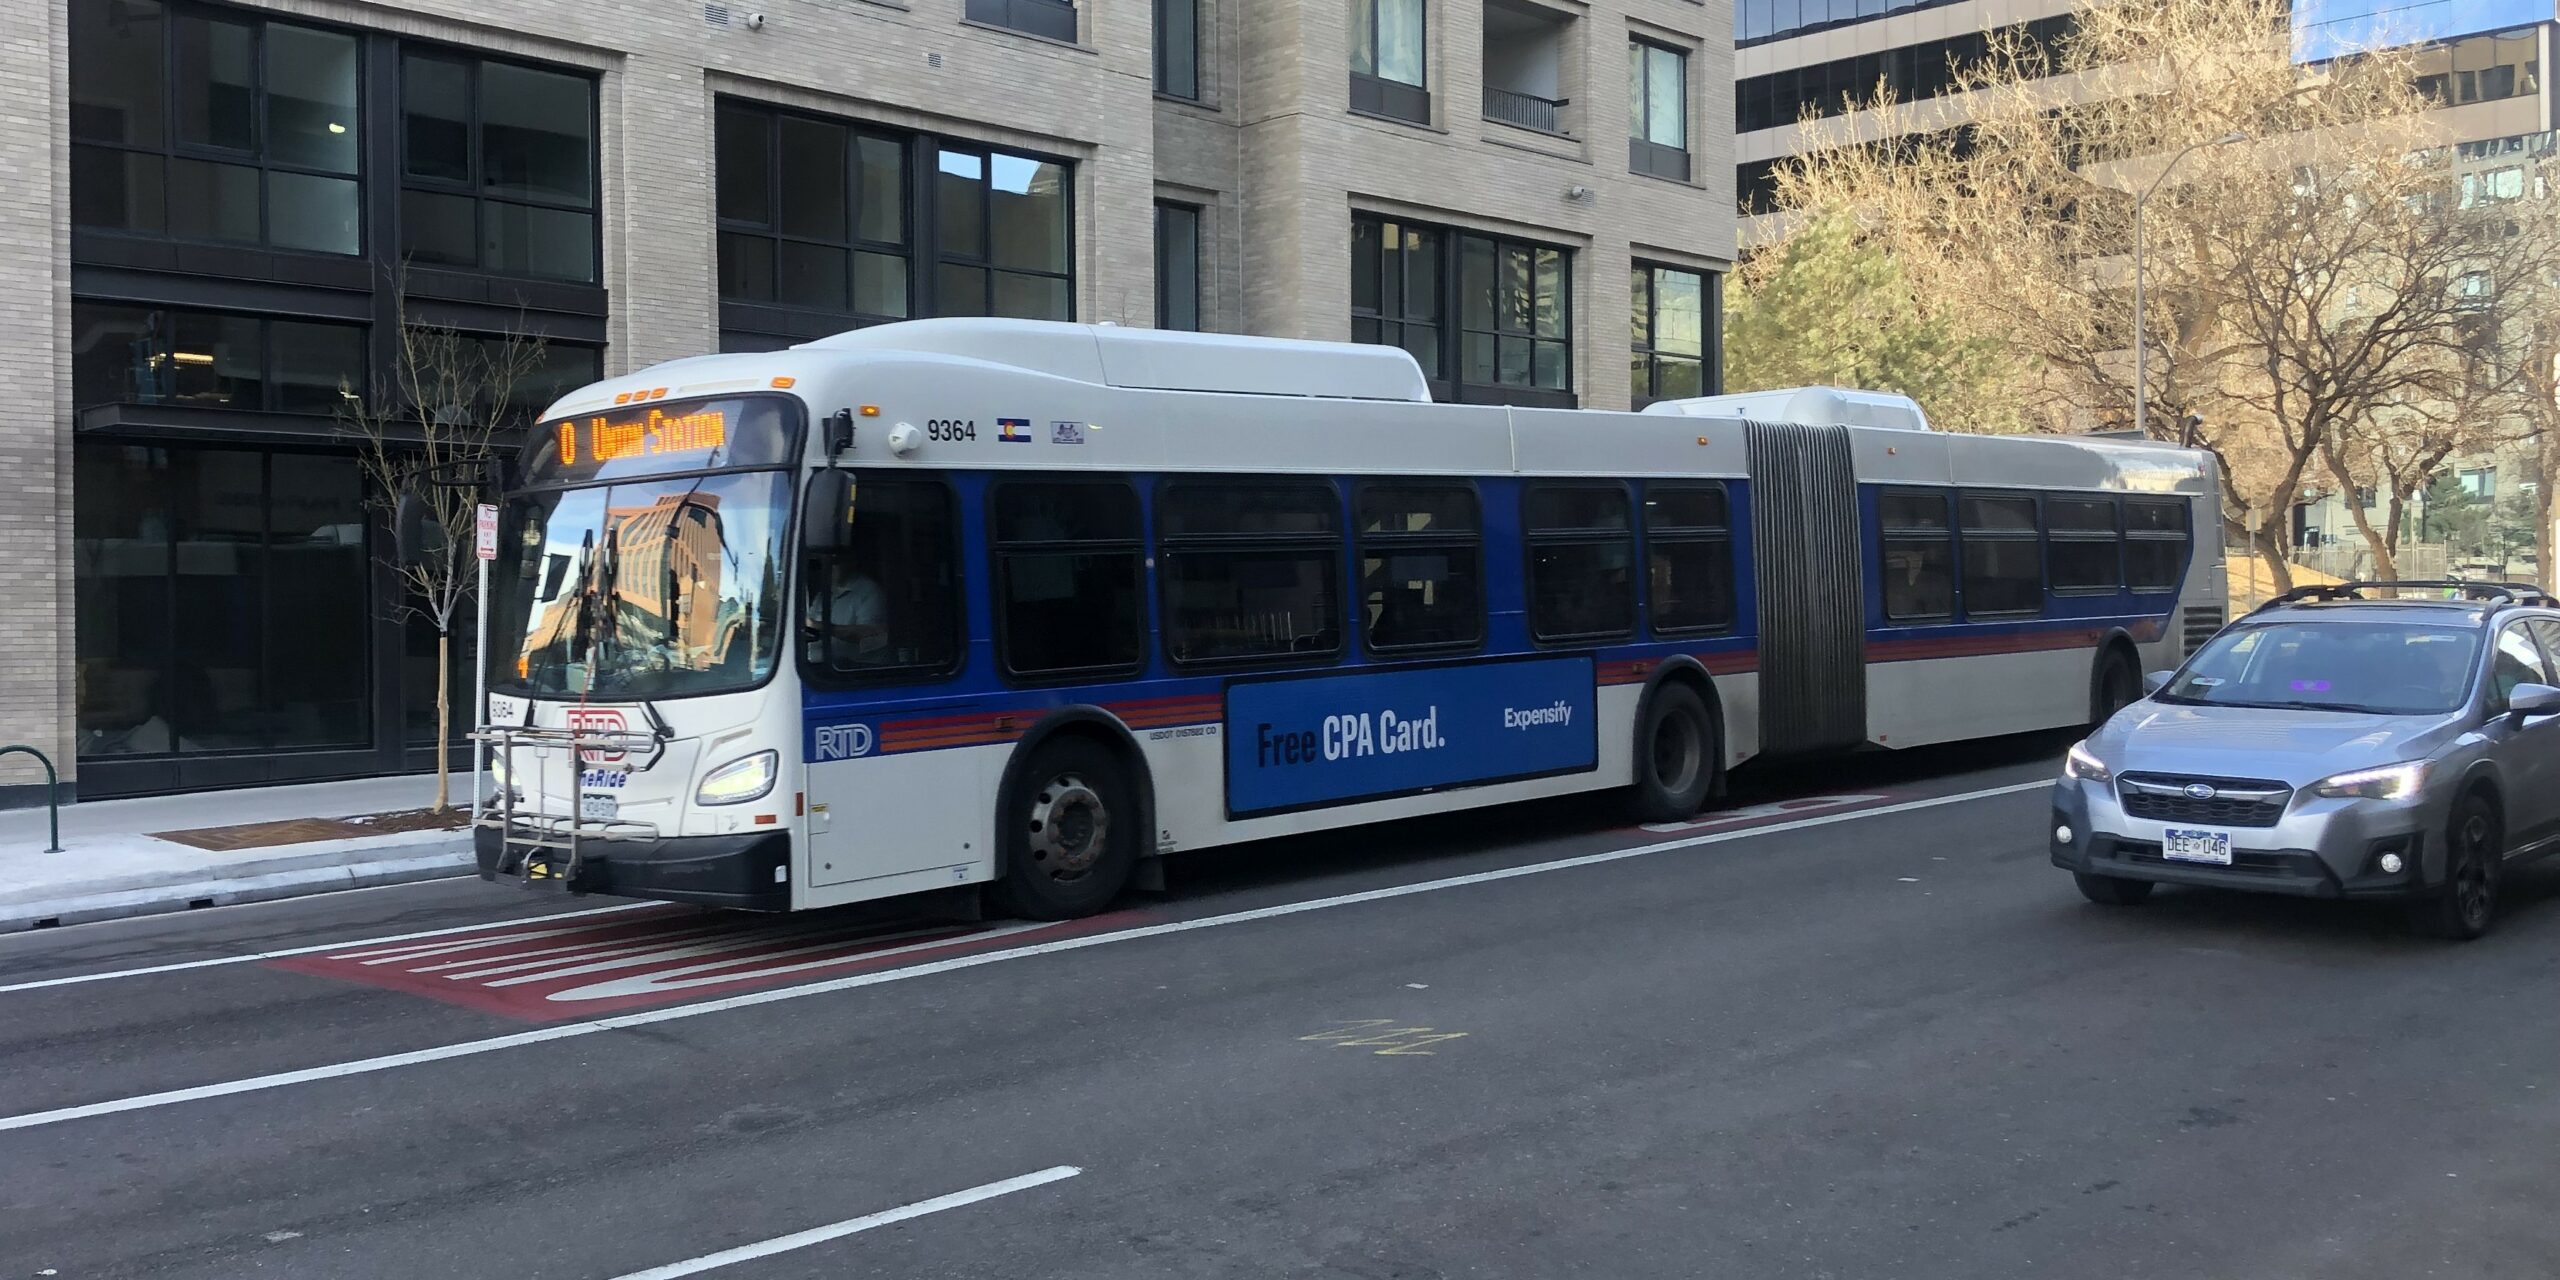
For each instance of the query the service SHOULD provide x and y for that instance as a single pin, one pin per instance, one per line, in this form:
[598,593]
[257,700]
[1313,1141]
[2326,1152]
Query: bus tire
[1068,831]
[2118,686]
[1677,754]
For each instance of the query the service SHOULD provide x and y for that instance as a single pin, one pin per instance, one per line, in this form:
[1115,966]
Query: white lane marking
[751,999]
[853,1226]
[1755,812]
[356,944]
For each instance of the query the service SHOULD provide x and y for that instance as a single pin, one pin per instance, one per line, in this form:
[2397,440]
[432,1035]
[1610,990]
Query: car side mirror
[2157,681]
[2532,700]
[827,525]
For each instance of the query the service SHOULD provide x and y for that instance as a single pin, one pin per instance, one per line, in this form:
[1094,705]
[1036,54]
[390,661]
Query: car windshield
[2387,668]
[655,588]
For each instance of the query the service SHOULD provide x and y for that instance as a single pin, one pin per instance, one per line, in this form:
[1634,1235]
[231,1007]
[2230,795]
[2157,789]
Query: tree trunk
[444,720]
[2279,567]
[2384,567]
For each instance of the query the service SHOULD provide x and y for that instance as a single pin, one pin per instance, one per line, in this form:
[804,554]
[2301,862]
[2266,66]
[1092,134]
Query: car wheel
[1069,828]
[2475,851]
[2112,891]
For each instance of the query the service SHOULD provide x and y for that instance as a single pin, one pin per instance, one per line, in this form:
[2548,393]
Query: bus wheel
[2118,687]
[1676,754]
[1069,830]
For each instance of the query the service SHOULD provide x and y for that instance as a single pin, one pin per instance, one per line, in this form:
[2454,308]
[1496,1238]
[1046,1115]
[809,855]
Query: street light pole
[2141,342]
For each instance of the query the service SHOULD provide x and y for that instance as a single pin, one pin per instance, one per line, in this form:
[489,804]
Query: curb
[447,855]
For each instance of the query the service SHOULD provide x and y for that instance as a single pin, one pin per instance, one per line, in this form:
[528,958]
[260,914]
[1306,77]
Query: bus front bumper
[741,872]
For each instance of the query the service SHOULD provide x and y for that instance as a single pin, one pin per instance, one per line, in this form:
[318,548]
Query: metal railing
[52,794]
[533,840]
[1527,110]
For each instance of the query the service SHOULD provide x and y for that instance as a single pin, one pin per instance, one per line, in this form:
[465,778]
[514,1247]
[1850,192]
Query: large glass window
[2003,562]
[1251,571]
[1004,222]
[1069,560]
[1581,562]
[1914,72]
[1917,554]
[1488,318]
[1689,555]
[1658,110]
[1177,266]
[209,360]
[222,600]
[1669,342]
[1051,19]
[1178,48]
[498,167]
[1421,561]
[889,603]
[813,213]
[214,125]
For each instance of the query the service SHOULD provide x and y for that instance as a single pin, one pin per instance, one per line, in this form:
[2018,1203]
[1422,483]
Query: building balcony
[1523,110]
[1524,66]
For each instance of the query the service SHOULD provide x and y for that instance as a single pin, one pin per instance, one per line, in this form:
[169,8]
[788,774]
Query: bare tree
[431,442]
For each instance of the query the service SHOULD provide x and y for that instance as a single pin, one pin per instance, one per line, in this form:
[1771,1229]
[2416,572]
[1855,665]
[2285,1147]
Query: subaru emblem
[2199,791]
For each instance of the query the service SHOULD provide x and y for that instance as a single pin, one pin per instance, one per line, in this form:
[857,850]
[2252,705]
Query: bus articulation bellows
[1022,604]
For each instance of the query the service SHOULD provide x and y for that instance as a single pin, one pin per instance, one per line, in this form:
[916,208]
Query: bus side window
[1581,562]
[1250,570]
[2155,548]
[2083,547]
[1421,567]
[888,602]
[1688,536]
[1069,559]
[1919,566]
[2003,561]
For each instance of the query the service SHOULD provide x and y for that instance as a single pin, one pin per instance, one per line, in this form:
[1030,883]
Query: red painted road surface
[547,972]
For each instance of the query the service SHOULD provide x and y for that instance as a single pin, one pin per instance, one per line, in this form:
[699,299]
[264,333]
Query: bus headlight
[740,781]
[2390,782]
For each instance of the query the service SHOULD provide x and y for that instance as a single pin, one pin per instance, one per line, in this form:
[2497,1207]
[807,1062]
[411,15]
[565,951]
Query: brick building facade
[209,200]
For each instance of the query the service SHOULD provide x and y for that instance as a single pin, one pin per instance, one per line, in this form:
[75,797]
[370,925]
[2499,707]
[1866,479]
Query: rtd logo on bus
[583,721]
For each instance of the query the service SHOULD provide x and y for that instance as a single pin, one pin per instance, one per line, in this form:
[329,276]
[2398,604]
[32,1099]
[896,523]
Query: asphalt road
[1878,1041]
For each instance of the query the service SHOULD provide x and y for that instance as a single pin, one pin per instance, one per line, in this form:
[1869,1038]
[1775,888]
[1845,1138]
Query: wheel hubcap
[2471,879]
[1676,753]
[1069,828]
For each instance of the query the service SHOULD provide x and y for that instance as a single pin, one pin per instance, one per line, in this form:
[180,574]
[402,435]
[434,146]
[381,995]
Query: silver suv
[2334,745]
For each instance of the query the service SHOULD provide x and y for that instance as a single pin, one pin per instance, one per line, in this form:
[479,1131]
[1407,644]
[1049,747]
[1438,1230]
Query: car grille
[2236,802]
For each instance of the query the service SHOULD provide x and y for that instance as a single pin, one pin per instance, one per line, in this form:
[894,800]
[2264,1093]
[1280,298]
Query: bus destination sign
[655,433]
[658,439]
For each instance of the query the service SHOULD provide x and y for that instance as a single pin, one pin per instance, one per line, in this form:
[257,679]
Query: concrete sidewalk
[170,853]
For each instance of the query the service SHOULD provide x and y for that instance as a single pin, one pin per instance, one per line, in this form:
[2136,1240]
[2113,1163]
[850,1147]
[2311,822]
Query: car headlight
[741,781]
[2083,764]
[2390,782]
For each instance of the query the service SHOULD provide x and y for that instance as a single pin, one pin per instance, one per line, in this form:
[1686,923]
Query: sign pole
[486,546]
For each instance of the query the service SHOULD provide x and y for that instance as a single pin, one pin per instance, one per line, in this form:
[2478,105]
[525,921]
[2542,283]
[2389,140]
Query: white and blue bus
[1028,605]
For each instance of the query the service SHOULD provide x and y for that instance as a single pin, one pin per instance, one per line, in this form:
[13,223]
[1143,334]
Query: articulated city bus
[1028,605]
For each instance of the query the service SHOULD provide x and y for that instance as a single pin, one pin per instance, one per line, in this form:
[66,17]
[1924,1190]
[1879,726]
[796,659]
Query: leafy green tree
[1828,307]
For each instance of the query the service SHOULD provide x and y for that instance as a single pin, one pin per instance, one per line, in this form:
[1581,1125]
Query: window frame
[1000,552]
[2183,536]
[944,256]
[1710,336]
[855,244]
[2083,537]
[956,605]
[1164,317]
[1532,538]
[473,62]
[1164,51]
[1692,535]
[1374,93]
[1010,15]
[1447,374]
[1423,540]
[1164,548]
[172,149]
[1886,535]
[1645,156]
[269,385]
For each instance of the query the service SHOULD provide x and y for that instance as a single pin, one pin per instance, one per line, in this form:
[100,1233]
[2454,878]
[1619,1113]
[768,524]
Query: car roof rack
[2490,593]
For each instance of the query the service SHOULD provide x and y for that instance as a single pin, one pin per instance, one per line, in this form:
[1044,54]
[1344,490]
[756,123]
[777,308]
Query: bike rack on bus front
[524,833]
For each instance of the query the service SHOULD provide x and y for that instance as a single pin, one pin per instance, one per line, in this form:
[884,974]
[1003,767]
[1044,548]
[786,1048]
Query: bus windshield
[646,586]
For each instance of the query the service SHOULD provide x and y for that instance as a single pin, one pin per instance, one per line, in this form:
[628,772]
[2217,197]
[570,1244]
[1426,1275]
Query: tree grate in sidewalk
[259,835]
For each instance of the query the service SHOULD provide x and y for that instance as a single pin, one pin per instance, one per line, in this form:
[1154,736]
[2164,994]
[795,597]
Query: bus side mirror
[839,429]
[413,532]
[2157,681]
[828,524]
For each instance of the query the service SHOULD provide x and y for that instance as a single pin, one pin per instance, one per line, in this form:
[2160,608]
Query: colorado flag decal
[1014,430]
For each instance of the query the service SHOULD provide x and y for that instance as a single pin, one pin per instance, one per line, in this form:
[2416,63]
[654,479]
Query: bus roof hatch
[1157,360]
[1810,406]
